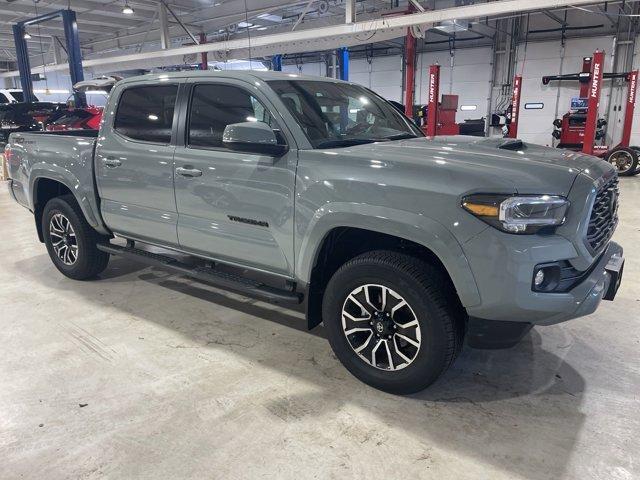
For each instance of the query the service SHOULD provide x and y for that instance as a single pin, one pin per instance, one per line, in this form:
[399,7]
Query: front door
[232,206]
[134,164]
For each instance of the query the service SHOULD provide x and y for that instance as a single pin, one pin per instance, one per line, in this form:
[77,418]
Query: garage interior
[152,374]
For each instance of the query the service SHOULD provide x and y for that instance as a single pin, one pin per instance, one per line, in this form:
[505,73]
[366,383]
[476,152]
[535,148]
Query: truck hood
[489,162]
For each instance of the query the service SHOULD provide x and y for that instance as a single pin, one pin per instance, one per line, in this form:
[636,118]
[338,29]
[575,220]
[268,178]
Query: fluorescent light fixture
[468,108]
[152,117]
[127,10]
[245,25]
[534,106]
[452,26]
[261,28]
[26,36]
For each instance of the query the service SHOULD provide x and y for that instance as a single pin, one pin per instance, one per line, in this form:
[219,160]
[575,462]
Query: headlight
[518,214]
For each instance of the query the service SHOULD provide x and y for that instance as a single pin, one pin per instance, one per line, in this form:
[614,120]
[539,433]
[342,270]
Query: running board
[210,275]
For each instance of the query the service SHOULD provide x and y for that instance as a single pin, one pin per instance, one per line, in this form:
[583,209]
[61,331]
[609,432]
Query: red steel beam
[628,112]
[595,87]
[432,104]
[204,61]
[409,72]
[515,106]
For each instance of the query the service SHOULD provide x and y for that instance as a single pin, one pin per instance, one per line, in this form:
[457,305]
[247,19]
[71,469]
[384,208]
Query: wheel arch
[45,187]
[335,240]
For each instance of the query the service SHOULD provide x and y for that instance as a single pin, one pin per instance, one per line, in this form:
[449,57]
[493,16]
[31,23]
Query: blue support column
[343,60]
[276,62]
[74,53]
[22,58]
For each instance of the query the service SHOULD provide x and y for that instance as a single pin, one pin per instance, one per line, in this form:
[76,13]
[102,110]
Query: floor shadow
[517,409]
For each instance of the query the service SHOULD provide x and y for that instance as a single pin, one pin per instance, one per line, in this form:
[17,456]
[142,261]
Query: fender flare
[409,226]
[83,194]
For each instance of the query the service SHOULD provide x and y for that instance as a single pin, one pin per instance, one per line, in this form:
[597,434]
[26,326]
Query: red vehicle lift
[441,116]
[580,128]
[515,107]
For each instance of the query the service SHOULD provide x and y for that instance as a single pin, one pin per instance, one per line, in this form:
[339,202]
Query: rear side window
[213,107]
[3,98]
[146,113]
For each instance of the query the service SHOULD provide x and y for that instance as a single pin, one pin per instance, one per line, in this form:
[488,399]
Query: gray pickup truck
[318,193]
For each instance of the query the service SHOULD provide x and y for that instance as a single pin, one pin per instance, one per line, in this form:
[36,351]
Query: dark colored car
[87,118]
[25,117]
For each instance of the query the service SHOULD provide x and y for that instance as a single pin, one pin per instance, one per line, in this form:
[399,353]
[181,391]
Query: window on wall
[146,113]
[213,107]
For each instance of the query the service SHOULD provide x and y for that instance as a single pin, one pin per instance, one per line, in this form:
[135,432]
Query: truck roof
[247,75]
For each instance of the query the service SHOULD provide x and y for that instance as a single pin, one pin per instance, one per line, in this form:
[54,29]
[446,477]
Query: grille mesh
[604,219]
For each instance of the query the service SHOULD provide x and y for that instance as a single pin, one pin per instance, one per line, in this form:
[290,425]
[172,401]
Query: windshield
[336,114]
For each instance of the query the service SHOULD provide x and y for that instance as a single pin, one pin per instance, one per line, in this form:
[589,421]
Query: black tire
[625,160]
[89,261]
[431,299]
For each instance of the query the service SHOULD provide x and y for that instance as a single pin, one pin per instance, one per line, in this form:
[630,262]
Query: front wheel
[70,240]
[393,321]
[625,160]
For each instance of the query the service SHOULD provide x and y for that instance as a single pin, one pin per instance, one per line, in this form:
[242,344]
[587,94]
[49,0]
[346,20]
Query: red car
[86,118]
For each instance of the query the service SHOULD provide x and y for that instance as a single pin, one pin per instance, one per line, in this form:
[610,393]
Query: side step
[218,278]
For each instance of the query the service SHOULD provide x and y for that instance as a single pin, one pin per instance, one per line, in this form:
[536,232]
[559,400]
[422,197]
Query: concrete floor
[144,374]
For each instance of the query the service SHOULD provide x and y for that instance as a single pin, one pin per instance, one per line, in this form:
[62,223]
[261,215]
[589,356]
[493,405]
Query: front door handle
[111,162]
[188,172]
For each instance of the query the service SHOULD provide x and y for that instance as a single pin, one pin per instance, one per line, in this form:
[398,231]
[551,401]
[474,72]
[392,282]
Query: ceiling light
[26,36]
[127,10]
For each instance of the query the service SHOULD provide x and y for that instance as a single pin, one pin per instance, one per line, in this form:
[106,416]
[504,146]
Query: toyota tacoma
[318,193]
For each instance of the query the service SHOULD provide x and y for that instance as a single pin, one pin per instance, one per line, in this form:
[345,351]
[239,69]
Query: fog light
[539,278]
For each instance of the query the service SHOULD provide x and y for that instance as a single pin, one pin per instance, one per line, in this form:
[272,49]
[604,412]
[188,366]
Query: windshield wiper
[348,142]
[401,136]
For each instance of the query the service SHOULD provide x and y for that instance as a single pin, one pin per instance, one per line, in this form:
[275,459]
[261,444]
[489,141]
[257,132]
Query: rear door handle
[111,162]
[188,172]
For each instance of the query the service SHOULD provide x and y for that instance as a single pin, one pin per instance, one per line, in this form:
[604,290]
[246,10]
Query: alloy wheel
[63,239]
[381,327]
[622,160]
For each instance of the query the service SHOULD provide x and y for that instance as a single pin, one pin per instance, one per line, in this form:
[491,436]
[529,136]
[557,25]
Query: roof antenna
[246,21]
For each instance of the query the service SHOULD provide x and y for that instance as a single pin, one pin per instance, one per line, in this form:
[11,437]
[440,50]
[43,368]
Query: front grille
[604,215]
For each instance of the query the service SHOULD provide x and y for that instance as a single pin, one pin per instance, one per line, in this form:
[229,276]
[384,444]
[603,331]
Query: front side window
[333,114]
[146,113]
[213,107]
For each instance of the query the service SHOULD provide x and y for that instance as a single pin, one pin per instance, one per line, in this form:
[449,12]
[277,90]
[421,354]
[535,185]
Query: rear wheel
[393,321]
[70,240]
[625,160]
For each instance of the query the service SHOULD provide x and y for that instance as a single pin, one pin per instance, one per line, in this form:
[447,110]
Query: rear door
[134,162]
[232,206]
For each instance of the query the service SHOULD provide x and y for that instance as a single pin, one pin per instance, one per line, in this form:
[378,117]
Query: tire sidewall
[431,359]
[85,245]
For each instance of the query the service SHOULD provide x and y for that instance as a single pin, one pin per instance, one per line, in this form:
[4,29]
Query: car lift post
[594,88]
[73,51]
[343,60]
[276,63]
[432,104]
[628,112]
[515,107]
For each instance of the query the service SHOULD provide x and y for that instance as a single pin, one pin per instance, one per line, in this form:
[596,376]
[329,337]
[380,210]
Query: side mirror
[253,137]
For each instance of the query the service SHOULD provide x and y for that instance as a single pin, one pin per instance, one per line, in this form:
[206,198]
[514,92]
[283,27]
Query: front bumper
[503,267]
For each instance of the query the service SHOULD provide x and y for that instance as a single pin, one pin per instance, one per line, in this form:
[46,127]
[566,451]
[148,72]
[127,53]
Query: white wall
[469,78]
[60,85]
[543,58]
